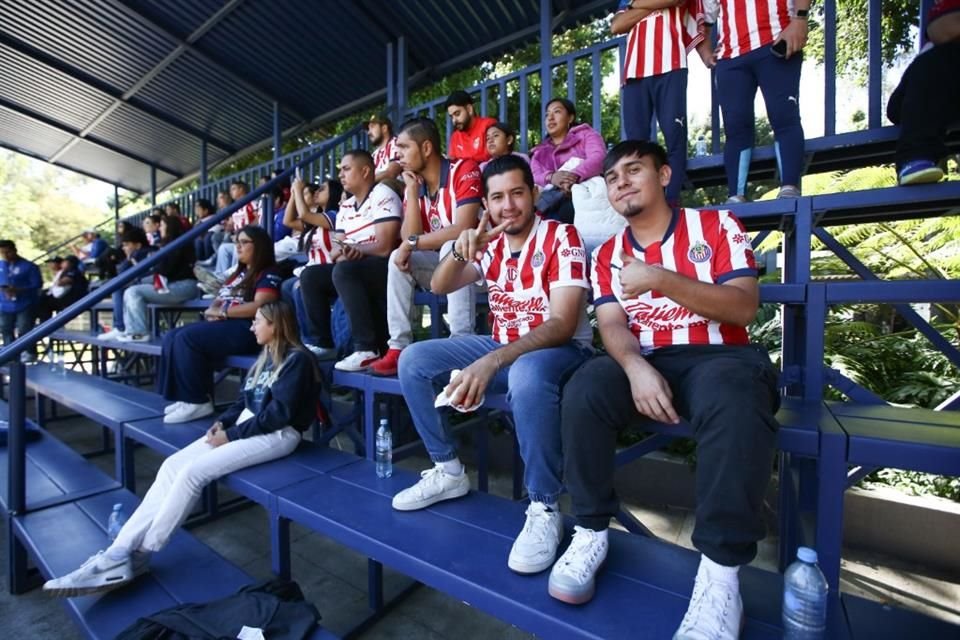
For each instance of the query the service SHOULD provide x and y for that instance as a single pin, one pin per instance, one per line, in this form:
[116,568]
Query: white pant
[183,476]
[461,304]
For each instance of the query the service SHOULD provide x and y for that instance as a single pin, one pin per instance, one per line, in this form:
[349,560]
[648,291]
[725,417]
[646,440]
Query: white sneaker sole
[521,566]
[451,494]
[174,418]
[72,592]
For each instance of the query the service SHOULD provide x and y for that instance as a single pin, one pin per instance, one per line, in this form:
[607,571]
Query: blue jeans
[290,290]
[136,298]
[192,352]
[117,298]
[533,384]
[23,320]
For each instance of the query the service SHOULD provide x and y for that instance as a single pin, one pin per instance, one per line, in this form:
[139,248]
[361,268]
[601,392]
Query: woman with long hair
[190,353]
[264,424]
[569,153]
[172,283]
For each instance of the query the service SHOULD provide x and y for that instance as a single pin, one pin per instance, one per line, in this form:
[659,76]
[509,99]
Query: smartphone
[298,173]
[779,48]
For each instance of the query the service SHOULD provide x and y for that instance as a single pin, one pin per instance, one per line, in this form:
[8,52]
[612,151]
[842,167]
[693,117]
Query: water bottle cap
[806,554]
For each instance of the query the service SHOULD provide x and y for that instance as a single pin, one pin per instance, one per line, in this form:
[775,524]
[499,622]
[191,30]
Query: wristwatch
[802,13]
[413,241]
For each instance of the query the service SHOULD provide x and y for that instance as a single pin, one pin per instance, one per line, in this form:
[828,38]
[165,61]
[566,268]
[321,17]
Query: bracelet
[456,255]
[496,354]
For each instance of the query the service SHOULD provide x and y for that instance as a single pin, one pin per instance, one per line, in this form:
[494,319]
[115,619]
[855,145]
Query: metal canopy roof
[110,88]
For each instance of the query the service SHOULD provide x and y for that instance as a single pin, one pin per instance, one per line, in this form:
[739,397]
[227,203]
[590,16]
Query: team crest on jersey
[434,222]
[699,252]
[537,260]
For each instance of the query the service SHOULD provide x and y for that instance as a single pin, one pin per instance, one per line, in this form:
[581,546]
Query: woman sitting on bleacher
[262,425]
[191,353]
[172,283]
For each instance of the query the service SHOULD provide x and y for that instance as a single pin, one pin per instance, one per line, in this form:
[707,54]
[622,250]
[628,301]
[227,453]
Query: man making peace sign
[536,273]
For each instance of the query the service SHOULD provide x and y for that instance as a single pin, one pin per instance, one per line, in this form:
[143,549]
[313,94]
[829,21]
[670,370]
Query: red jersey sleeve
[734,255]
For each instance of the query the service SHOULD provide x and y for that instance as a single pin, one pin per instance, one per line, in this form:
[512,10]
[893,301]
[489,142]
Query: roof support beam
[188,43]
[169,59]
[36,117]
[105,89]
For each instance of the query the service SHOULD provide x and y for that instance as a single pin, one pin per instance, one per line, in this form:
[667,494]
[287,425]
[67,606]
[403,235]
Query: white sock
[451,467]
[720,572]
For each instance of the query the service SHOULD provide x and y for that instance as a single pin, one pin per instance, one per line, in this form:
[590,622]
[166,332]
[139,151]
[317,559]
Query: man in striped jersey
[759,45]
[673,293]
[536,273]
[441,199]
[386,156]
[660,34]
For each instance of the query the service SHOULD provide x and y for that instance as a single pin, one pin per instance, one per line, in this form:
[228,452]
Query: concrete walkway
[334,577]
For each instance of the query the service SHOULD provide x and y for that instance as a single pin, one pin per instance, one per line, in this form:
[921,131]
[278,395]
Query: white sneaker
[572,579]
[113,334]
[535,548]
[435,485]
[133,337]
[170,408]
[188,411]
[715,611]
[357,361]
[99,573]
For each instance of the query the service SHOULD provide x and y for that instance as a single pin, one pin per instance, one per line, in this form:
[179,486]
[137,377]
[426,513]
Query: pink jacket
[582,142]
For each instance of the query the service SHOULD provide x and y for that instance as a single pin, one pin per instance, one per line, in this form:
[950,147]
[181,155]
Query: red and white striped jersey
[319,244]
[245,215]
[459,185]
[661,41]
[358,221]
[709,246]
[385,154]
[519,284]
[745,25]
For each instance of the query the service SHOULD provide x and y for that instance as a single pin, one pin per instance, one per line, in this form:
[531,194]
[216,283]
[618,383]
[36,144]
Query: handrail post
[546,52]
[153,186]
[401,93]
[266,206]
[277,137]
[16,439]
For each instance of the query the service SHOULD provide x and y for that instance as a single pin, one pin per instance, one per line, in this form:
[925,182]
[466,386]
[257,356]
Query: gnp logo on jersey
[699,252]
[537,260]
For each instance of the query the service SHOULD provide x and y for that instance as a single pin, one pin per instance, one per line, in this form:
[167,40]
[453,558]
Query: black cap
[380,118]
[458,98]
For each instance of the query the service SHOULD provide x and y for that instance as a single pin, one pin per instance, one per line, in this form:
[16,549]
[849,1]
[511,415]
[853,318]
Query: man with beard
[386,156]
[673,294]
[469,138]
[441,199]
[536,272]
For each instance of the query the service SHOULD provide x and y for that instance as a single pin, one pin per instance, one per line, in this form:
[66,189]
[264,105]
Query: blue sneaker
[920,172]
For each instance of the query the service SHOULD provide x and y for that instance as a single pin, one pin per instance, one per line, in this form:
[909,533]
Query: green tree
[898,23]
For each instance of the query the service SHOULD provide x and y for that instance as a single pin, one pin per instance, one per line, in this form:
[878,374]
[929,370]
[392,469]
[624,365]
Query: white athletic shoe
[99,573]
[170,408]
[715,611]
[133,337]
[357,361]
[322,353]
[113,334]
[187,412]
[573,578]
[435,485]
[535,548]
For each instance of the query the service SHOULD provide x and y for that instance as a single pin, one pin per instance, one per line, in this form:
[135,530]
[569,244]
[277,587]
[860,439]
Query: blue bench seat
[460,547]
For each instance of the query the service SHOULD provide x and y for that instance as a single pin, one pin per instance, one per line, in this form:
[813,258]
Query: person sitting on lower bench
[264,424]
[673,294]
[536,273]
[190,353]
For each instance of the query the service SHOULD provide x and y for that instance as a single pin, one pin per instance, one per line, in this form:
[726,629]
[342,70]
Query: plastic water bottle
[115,522]
[804,598]
[384,450]
[57,366]
[701,146]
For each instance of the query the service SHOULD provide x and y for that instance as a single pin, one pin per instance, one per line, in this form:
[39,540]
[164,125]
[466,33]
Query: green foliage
[916,483]
[37,213]
[898,22]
